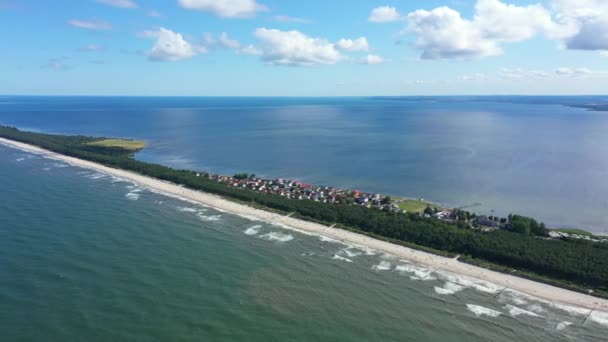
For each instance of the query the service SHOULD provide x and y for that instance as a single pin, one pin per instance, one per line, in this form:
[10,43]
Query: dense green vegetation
[583,264]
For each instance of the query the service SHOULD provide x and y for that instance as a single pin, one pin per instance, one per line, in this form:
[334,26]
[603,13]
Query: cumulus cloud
[225,8]
[119,3]
[442,33]
[359,44]
[372,59]
[572,72]
[170,46]
[582,24]
[384,14]
[293,48]
[90,24]
[223,41]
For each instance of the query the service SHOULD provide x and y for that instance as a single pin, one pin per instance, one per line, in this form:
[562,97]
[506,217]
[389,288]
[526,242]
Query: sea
[87,256]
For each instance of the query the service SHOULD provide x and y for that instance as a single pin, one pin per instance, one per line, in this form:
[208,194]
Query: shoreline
[538,290]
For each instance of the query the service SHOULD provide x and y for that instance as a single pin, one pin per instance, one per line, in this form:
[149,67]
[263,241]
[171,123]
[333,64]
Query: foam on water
[483,311]
[350,252]
[277,236]
[188,210]
[95,176]
[571,309]
[562,325]
[599,317]
[132,196]
[210,218]
[253,230]
[514,311]
[477,284]
[20,159]
[382,266]
[419,273]
[337,257]
[448,289]
[60,165]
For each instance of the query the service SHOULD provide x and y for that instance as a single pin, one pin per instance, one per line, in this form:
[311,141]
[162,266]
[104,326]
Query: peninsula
[451,245]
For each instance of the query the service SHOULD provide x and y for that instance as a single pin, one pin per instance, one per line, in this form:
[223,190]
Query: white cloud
[472,77]
[573,72]
[154,13]
[372,59]
[443,33]
[293,48]
[250,50]
[225,8]
[359,44]
[288,19]
[582,24]
[119,3]
[604,53]
[384,14]
[171,46]
[90,24]
[223,41]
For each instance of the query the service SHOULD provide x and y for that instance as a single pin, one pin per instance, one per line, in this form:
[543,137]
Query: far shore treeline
[576,264]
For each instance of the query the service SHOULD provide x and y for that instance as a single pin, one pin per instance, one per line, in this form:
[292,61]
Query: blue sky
[303,48]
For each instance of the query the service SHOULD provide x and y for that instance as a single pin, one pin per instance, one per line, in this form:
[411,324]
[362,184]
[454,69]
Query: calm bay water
[89,257]
[526,155]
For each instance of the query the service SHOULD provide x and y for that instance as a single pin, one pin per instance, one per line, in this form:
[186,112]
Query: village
[297,190]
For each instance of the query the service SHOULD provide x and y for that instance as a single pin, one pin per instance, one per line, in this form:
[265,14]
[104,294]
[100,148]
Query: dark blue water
[528,155]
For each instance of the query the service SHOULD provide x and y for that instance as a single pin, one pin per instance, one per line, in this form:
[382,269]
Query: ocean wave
[514,311]
[382,266]
[483,311]
[253,230]
[95,176]
[479,285]
[599,317]
[337,257]
[419,273]
[132,196]
[571,309]
[276,236]
[448,289]
[210,218]
[20,159]
[60,165]
[187,210]
[562,325]
[348,251]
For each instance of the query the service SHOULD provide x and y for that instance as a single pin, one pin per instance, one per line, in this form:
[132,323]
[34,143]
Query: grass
[414,206]
[131,145]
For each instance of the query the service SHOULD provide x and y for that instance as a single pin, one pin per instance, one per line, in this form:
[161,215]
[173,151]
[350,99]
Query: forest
[580,265]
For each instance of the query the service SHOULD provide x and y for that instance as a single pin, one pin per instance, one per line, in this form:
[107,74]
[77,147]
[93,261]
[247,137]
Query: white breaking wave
[420,273]
[276,236]
[95,176]
[448,289]
[571,309]
[479,285]
[350,253]
[60,165]
[562,325]
[382,266]
[187,210]
[514,311]
[337,257]
[20,159]
[210,218]
[599,317]
[133,196]
[253,230]
[483,311]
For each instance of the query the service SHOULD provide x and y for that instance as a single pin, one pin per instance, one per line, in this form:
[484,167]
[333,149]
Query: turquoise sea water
[84,256]
[527,155]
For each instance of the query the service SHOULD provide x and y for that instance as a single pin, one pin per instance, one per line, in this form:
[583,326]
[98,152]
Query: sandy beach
[545,292]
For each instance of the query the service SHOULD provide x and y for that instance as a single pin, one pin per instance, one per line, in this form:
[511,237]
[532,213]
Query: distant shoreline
[542,291]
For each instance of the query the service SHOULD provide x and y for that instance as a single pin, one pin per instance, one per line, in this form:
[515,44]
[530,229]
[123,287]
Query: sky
[303,48]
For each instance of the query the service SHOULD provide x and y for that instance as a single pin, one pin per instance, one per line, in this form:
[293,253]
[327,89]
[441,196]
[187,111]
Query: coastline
[539,290]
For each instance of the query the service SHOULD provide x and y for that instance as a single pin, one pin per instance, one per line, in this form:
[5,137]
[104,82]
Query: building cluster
[558,235]
[293,189]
